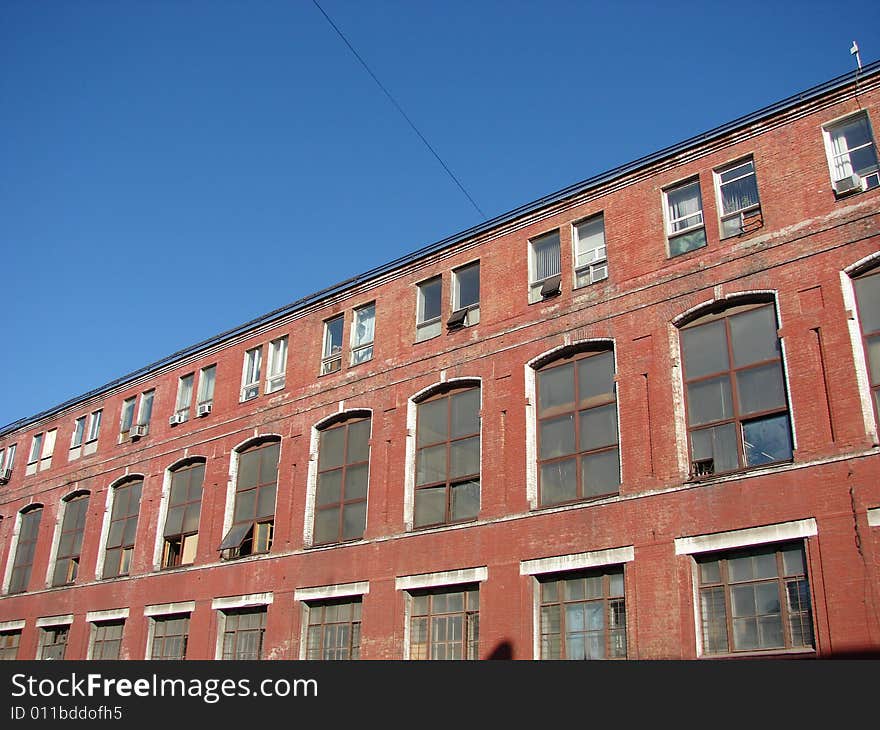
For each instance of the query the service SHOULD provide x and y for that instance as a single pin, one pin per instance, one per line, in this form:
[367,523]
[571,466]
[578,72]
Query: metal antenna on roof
[854,51]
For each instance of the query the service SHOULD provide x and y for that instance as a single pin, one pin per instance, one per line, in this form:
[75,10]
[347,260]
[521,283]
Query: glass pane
[329,489]
[704,349]
[364,326]
[248,469]
[465,500]
[331,448]
[130,530]
[600,473]
[354,517]
[429,299]
[770,632]
[174,522]
[596,376]
[793,561]
[767,598]
[197,477]
[557,436]
[556,387]
[767,440]
[269,462]
[717,444]
[464,457]
[687,242]
[433,425]
[468,288]
[327,525]
[709,400]
[358,442]
[431,465]
[615,585]
[356,482]
[558,482]
[714,615]
[753,335]
[745,634]
[868,296]
[465,413]
[245,504]
[333,336]
[741,568]
[430,507]
[598,427]
[874,359]
[742,600]
[765,565]
[266,502]
[545,256]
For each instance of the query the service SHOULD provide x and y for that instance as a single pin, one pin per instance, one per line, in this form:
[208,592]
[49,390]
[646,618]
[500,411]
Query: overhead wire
[399,108]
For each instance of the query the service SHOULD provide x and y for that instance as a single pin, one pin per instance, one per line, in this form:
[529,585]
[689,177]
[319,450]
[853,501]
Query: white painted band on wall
[319,593]
[166,609]
[252,599]
[577,561]
[798,529]
[446,578]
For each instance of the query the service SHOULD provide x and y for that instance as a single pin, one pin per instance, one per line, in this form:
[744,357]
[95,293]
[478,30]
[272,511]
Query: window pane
[431,465]
[753,334]
[433,425]
[598,427]
[687,242]
[596,376]
[558,482]
[468,286]
[333,336]
[358,442]
[430,506]
[590,238]
[354,517]
[557,436]
[266,501]
[245,503]
[600,473]
[868,295]
[429,300]
[465,500]
[364,328]
[356,482]
[546,261]
[556,387]
[709,400]
[174,521]
[874,359]
[705,350]
[767,440]
[793,561]
[717,444]
[331,448]
[327,525]
[248,469]
[465,413]
[329,489]
[760,389]
[464,457]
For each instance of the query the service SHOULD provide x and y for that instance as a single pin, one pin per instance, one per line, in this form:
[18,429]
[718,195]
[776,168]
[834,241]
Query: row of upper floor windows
[853,166]
[735,408]
[752,596]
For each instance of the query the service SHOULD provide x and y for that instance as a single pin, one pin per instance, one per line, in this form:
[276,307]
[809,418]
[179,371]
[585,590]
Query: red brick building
[637,418]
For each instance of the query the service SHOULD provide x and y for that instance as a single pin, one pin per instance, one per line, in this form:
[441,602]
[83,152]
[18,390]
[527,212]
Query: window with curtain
[684,218]
[277,369]
[852,152]
[250,379]
[738,197]
[331,359]
[363,331]
[207,377]
[544,262]
[184,396]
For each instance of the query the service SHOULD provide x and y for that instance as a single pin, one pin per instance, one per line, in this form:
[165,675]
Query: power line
[399,108]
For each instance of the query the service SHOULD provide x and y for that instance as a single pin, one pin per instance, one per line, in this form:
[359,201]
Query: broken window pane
[767,440]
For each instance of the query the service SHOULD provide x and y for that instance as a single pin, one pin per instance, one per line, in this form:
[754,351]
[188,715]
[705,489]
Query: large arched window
[181,532]
[447,483]
[253,518]
[737,407]
[577,433]
[867,288]
[123,528]
[70,539]
[29,528]
[341,486]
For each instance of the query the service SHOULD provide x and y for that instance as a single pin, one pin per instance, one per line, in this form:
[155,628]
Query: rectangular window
[253,516]
[583,615]
[36,448]
[445,624]
[428,323]
[684,218]
[123,529]
[106,639]
[181,532]
[53,642]
[448,458]
[126,419]
[145,410]
[868,303]
[25,548]
[331,360]
[852,155]
[70,541]
[738,200]
[48,449]
[7,461]
[363,332]
[334,630]
[243,632]
[545,266]
[578,450]
[170,634]
[755,600]
[465,295]
[79,432]
[9,641]
[94,426]
[207,377]
[277,369]
[590,254]
[184,397]
[341,489]
[250,379]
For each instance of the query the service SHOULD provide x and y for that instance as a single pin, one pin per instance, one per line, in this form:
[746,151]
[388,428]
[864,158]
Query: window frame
[125,547]
[276,366]
[672,233]
[183,399]
[873,378]
[468,644]
[316,624]
[99,642]
[428,328]
[471,310]
[205,394]
[331,354]
[536,284]
[362,352]
[22,559]
[161,638]
[828,138]
[51,647]
[743,212]
[251,372]
[81,500]
[591,271]
[174,555]
[235,632]
[94,425]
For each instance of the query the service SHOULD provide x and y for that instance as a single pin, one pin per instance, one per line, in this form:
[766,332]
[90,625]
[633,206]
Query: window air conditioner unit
[5,476]
[135,432]
[204,409]
[175,419]
[847,185]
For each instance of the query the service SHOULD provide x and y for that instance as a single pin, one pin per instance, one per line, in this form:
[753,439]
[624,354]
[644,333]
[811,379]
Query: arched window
[447,484]
[181,532]
[123,528]
[737,407]
[29,527]
[577,434]
[253,517]
[73,526]
[341,487]
[867,288]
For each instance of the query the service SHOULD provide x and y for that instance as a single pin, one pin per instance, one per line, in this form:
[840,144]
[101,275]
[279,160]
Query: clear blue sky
[169,170]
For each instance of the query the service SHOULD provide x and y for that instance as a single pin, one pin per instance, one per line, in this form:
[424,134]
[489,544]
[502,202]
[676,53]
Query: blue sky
[169,170]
